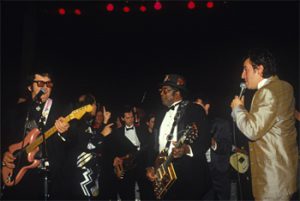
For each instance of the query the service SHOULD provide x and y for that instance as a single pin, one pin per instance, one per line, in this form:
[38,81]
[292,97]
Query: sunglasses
[40,83]
[165,90]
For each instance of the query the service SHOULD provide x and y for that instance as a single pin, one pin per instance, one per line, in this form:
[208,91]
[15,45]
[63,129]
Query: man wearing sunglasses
[189,162]
[41,112]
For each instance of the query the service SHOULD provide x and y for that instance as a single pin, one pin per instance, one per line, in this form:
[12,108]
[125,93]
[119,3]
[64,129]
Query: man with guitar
[38,112]
[180,172]
[130,158]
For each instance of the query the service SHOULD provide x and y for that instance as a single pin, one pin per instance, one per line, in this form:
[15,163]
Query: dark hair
[150,116]
[125,109]
[263,57]
[87,99]
[30,78]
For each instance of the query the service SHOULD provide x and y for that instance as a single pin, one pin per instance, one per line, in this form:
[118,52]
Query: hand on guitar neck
[180,151]
[61,125]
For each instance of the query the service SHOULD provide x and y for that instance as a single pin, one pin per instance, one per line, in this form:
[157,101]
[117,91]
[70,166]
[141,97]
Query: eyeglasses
[165,90]
[40,83]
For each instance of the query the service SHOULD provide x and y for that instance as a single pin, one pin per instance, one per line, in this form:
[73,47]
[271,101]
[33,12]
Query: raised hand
[106,115]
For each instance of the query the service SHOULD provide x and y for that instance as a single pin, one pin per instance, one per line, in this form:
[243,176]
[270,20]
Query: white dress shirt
[166,127]
[131,135]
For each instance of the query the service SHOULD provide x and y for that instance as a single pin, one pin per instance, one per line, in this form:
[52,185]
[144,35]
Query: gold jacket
[270,126]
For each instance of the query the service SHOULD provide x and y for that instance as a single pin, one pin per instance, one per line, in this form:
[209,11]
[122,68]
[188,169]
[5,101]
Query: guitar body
[9,176]
[166,176]
[26,150]
[240,162]
[164,169]
[128,163]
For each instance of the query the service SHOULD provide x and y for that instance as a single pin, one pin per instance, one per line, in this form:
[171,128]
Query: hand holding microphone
[239,100]
[243,87]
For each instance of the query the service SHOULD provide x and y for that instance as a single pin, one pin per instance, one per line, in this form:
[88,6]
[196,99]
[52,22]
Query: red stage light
[143,8]
[61,11]
[191,5]
[77,11]
[126,9]
[110,7]
[157,5]
[210,4]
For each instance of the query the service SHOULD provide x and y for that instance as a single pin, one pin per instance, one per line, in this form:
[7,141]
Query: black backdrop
[120,56]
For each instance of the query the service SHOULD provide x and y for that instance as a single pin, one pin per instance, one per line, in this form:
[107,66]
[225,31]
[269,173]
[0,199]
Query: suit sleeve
[203,141]
[255,124]
[222,135]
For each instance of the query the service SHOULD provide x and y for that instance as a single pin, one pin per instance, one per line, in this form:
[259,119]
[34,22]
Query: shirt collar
[176,103]
[263,82]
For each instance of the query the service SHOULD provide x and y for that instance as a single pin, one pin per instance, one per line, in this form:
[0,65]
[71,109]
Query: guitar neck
[170,156]
[47,134]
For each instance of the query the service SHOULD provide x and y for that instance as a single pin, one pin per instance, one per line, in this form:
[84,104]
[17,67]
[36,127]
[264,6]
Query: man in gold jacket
[270,127]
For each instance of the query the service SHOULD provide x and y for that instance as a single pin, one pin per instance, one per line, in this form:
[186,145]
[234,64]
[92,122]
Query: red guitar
[29,147]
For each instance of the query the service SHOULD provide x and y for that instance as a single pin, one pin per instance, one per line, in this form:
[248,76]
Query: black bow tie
[173,106]
[131,128]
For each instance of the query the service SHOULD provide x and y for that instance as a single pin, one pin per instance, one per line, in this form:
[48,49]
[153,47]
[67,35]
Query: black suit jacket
[192,172]
[221,132]
[124,146]
[31,185]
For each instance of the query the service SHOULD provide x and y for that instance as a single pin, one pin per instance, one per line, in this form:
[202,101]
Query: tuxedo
[123,146]
[193,178]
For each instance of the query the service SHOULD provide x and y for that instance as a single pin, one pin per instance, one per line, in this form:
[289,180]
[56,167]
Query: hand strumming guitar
[150,173]
[8,160]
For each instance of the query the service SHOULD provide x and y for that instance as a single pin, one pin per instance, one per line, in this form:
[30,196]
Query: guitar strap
[180,111]
[46,111]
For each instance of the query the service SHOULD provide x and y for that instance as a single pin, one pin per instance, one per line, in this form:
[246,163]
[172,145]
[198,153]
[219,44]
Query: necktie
[131,128]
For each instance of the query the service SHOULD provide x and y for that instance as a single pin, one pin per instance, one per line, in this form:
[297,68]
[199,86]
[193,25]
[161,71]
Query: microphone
[38,95]
[243,87]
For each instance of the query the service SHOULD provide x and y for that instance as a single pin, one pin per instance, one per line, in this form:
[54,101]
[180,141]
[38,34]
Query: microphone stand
[238,174]
[44,159]
[243,87]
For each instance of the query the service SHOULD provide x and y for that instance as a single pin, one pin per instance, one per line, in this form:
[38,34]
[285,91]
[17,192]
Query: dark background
[121,56]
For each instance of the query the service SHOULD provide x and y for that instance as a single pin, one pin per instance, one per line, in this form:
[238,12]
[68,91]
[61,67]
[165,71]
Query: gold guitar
[240,162]
[30,146]
[164,170]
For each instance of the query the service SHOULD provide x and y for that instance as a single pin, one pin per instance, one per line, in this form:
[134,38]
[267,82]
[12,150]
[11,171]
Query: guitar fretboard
[47,134]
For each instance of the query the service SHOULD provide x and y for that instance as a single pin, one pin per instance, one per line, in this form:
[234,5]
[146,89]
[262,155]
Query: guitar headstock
[78,113]
[191,133]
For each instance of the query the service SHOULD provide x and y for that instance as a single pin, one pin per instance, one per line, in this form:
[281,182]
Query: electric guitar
[29,147]
[240,162]
[164,169]
[127,164]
